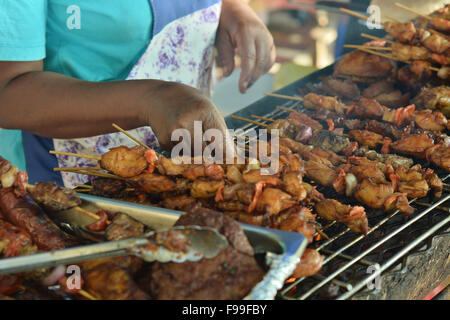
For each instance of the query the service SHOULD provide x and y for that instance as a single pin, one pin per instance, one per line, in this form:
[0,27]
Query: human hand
[241,30]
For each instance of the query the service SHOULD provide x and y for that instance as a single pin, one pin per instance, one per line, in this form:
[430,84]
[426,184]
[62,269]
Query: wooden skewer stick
[262,118]
[413,11]
[392,57]
[92,173]
[248,120]
[86,294]
[355,14]
[86,212]
[368,36]
[78,168]
[130,136]
[282,96]
[98,158]
[367,47]
[393,19]
[285,109]
[30,187]
[85,186]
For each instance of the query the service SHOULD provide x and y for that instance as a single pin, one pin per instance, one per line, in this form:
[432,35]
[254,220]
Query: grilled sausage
[45,234]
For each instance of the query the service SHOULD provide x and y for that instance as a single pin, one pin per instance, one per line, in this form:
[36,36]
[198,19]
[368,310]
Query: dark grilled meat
[54,197]
[230,275]
[122,227]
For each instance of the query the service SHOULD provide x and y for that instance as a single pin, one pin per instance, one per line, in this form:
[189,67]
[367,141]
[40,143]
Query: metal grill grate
[348,255]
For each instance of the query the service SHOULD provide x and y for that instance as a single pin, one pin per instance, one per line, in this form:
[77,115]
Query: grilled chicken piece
[330,141]
[431,121]
[414,188]
[384,128]
[440,156]
[293,184]
[235,206]
[354,217]
[233,174]
[437,98]
[316,102]
[434,182]
[303,119]
[368,108]
[204,188]
[111,281]
[320,173]
[367,138]
[155,183]
[211,171]
[180,202]
[440,24]
[392,159]
[406,52]
[415,145]
[297,219]
[273,201]
[125,162]
[362,172]
[54,197]
[403,32]
[377,88]
[363,67]
[122,227]
[436,43]
[14,241]
[310,263]
[373,194]
[109,188]
[346,89]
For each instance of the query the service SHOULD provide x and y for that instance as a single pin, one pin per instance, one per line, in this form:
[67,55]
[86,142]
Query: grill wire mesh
[352,261]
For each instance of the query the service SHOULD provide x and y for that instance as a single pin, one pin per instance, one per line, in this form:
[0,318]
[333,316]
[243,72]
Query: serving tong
[204,242]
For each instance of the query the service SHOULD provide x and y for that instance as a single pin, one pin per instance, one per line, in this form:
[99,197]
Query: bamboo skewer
[282,96]
[86,294]
[354,46]
[250,121]
[355,14]
[131,137]
[91,173]
[98,158]
[413,11]
[368,36]
[78,169]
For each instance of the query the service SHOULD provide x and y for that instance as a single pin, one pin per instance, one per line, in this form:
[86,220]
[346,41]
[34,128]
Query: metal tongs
[204,242]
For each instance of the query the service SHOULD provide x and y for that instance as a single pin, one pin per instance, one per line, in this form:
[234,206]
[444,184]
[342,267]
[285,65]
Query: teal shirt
[100,42]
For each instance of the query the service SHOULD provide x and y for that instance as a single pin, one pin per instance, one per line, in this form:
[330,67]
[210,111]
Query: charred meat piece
[122,227]
[52,196]
[109,188]
[430,121]
[320,173]
[310,263]
[353,217]
[273,201]
[204,188]
[345,89]
[297,219]
[180,202]
[363,67]
[14,241]
[415,145]
[317,102]
[109,279]
[154,183]
[437,98]
[440,156]
[403,32]
[367,138]
[328,140]
[125,162]
[377,88]
[230,275]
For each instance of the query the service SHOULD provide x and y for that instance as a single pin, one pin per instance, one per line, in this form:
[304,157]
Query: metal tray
[283,249]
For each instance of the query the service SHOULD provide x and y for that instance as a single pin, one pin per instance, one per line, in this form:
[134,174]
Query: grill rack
[343,240]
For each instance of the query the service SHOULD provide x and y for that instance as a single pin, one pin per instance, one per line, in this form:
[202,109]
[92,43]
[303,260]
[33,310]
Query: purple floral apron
[183,51]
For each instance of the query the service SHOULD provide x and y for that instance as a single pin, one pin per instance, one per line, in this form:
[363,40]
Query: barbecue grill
[397,259]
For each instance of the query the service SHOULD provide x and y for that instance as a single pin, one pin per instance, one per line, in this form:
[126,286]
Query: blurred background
[308,35]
